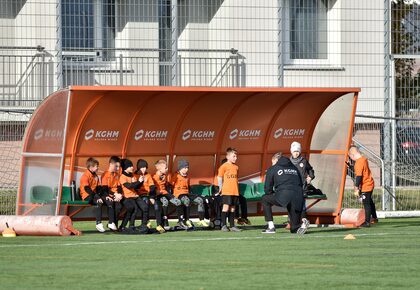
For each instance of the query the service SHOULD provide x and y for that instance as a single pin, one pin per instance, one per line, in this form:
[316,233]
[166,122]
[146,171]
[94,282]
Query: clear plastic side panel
[46,128]
[328,174]
[332,129]
[39,186]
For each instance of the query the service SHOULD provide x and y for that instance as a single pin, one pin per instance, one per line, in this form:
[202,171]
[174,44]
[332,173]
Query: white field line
[275,236]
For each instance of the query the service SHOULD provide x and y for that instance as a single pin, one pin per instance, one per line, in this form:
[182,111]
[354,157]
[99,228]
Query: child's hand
[117,197]
[308,179]
[141,178]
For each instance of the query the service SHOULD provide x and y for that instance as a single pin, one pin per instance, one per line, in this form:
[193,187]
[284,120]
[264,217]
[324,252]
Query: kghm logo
[202,135]
[186,135]
[150,135]
[48,134]
[39,134]
[102,135]
[287,171]
[289,133]
[244,134]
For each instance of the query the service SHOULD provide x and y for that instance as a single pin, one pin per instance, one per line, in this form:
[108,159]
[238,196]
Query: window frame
[333,40]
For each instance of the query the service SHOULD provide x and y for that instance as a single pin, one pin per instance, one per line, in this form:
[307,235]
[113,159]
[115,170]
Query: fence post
[121,70]
[388,110]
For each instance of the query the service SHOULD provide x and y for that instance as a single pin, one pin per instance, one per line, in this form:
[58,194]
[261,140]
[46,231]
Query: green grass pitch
[385,256]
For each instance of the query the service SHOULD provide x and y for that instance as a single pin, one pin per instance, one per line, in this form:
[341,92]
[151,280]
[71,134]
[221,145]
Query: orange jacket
[127,192]
[181,184]
[88,179]
[229,173]
[361,168]
[160,183]
[111,180]
[147,183]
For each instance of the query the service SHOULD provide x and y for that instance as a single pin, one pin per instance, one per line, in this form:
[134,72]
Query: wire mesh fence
[46,45]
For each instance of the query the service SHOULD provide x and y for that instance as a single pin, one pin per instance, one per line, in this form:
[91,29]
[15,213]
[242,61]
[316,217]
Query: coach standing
[363,185]
[283,187]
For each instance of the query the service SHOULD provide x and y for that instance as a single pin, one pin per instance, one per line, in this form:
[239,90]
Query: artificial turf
[384,256]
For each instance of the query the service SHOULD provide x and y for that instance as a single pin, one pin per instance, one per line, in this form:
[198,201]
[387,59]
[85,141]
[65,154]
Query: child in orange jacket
[147,192]
[163,195]
[181,189]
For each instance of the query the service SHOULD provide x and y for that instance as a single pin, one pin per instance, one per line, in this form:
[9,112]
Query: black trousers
[369,206]
[244,208]
[157,208]
[131,211]
[98,208]
[144,208]
[295,212]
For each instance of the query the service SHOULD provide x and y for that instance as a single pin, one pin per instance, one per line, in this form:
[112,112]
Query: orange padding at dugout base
[197,124]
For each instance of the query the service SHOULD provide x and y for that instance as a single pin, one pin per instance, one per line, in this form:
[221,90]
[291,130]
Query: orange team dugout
[196,124]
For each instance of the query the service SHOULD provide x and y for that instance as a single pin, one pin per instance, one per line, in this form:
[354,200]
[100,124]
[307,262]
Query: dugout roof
[197,124]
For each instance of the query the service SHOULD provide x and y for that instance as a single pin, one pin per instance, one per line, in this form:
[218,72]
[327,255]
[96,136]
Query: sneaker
[112,227]
[235,229]
[182,225]
[100,228]
[365,225]
[241,221]
[269,231]
[203,223]
[224,229]
[160,229]
[302,230]
[305,223]
[374,221]
[189,224]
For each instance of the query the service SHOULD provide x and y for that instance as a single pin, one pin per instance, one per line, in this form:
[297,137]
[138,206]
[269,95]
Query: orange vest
[361,168]
[181,184]
[111,179]
[88,179]
[229,172]
[160,183]
[127,192]
[148,181]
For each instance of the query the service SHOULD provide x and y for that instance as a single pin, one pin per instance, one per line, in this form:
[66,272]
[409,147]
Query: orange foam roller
[40,225]
[352,216]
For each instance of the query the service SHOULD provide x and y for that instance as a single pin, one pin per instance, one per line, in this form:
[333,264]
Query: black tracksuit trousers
[295,212]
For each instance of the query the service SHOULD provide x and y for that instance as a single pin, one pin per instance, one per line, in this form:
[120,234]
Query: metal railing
[25,79]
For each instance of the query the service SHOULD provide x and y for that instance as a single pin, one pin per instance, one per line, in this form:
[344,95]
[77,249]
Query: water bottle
[73,190]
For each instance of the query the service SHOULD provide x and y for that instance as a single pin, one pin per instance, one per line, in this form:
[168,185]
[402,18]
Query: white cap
[295,147]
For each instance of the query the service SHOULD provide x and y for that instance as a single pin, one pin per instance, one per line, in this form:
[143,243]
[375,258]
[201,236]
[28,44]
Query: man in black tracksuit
[283,187]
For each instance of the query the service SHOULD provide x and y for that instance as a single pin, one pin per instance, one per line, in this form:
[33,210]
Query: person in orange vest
[181,188]
[111,187]
[90,190]
[147,192]
[132,202]
[227,178]
[165,197]
[363,185]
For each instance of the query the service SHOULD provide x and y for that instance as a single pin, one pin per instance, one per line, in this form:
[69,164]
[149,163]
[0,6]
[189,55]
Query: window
[88,25]
[308,29]
[312,36]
